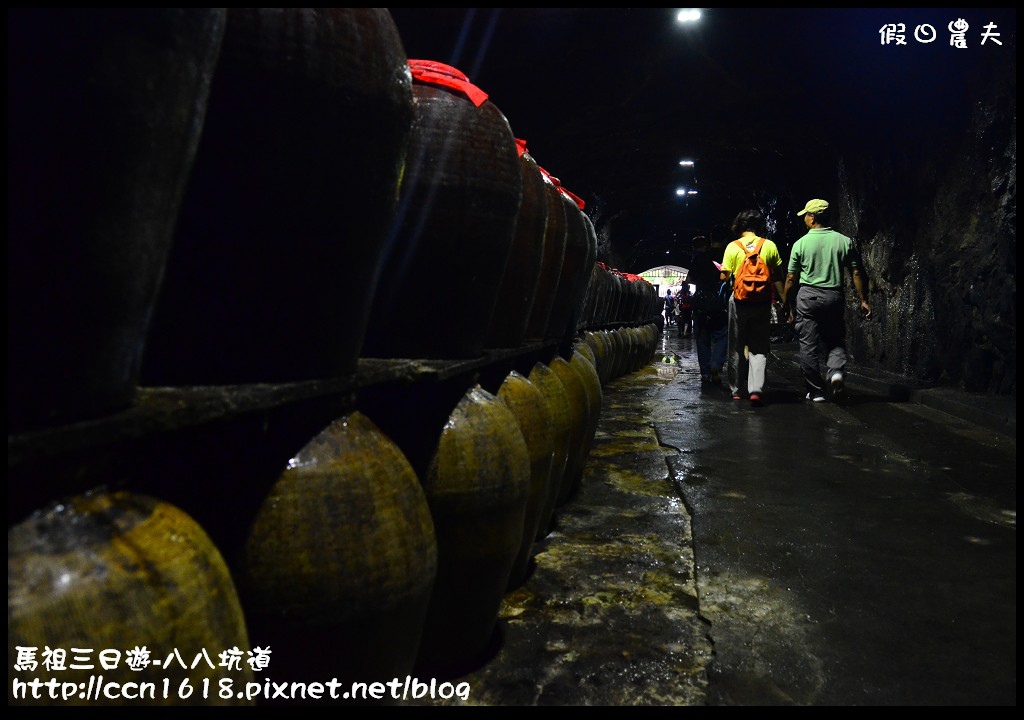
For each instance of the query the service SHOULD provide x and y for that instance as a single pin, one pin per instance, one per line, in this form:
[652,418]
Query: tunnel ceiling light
[686,163]
[688,15]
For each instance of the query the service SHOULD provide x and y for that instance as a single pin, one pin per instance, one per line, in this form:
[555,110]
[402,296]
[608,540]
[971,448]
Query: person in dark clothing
[684,310]
[710,318]
[670,308]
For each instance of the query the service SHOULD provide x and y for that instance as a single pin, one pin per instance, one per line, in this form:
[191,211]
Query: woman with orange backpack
[755,266]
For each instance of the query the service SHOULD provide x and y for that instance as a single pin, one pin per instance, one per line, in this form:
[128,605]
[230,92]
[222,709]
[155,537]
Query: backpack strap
[743,246]
[755,251]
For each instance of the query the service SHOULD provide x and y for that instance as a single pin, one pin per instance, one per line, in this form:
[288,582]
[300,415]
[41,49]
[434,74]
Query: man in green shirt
[817,263]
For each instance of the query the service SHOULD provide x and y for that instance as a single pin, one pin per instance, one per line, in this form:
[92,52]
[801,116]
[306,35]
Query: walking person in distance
[710,319]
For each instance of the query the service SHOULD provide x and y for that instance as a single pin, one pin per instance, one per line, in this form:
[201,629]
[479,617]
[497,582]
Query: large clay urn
[620,351]
[477,486]
[104,112]
[109,573]
[588,376]
[456,223]
[619,304]
[596,297]
[294,190]
[614,295]
[522,274]
[650,345]
[631,343]
[650,295]
[561,414]
[341,559]
[597,340]
[555,236]
[584,348]
[577,322]
[528,404]
[579,403]
[580,250]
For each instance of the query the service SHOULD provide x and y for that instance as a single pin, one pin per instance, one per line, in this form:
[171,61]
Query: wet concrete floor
[792,554]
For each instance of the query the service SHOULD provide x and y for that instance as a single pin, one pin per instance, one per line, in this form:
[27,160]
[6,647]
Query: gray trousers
[750,329]
[821,330]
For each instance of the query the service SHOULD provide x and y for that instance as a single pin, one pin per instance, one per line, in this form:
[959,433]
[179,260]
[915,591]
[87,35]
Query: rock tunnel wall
[936,222]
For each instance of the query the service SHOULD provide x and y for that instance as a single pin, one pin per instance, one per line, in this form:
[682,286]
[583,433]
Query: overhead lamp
[687,15]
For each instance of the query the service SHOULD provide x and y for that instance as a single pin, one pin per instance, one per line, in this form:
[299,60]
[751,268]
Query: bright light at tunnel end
[686,15]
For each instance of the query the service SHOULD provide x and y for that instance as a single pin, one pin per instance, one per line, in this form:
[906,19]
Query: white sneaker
[838,387]
[814,397]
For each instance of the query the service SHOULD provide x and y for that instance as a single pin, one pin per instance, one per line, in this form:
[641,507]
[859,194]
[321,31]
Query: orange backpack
[752,281]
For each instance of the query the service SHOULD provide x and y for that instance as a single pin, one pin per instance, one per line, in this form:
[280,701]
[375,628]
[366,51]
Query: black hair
[751,220]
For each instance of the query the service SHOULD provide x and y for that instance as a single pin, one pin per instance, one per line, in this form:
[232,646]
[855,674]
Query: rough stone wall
[936,222]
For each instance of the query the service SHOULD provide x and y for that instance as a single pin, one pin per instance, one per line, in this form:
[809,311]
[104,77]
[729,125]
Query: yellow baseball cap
[813,206]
